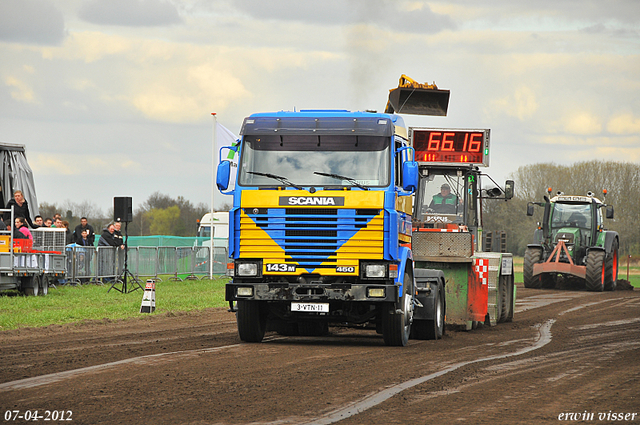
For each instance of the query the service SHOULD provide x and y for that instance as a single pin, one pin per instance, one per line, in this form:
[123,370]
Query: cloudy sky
[114,97]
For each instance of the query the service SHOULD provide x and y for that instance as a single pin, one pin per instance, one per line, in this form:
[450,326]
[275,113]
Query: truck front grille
[312,237]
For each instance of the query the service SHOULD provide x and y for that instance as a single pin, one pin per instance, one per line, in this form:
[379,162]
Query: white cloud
[20,90]
[521,104]
[79,164]
[624,124]
[584,123]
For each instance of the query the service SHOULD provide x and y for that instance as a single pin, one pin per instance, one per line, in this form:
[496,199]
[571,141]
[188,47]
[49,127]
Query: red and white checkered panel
[481,267]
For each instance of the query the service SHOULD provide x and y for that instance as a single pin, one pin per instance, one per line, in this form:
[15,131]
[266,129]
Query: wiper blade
[281,179]
[354,182]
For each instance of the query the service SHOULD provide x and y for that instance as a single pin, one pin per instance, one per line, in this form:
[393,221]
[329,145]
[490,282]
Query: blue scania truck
[320,228]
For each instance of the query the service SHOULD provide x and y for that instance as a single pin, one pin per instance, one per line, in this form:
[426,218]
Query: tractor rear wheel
[531,257]
[611,268]
[595,274]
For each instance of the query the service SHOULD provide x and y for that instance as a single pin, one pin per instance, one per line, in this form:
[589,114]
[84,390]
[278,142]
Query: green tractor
[572,241]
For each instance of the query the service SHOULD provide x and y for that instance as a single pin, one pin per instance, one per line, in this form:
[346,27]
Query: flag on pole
[222,137]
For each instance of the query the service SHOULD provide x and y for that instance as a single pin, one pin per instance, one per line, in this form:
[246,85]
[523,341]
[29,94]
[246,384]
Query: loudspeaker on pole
[123,209]
[149,297]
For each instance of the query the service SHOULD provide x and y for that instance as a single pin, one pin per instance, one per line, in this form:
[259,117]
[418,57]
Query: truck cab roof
[320,122]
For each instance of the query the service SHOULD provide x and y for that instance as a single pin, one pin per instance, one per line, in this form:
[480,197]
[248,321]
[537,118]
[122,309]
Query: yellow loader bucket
[418,99]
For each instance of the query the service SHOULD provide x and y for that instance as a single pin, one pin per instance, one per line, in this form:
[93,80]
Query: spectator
[38,222]
[48,222]
[20,208]
[17,234]
[84,225]
[21,226]
[84,238]
[68,236]
[117,234]
[107,239]
[57,222]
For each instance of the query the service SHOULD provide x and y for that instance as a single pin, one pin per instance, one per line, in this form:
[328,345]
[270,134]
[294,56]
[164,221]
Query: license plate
[310,307]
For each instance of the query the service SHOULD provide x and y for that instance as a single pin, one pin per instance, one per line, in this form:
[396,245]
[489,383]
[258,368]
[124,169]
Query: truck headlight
[375,271]
[246,269]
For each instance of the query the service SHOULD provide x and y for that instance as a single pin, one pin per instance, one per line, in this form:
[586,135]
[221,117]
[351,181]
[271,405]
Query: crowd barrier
[105,263]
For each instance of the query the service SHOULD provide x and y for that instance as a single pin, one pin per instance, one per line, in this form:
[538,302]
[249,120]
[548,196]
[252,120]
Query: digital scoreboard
[450,146]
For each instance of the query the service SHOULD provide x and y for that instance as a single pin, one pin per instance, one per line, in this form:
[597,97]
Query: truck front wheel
[396,325]
[252,320]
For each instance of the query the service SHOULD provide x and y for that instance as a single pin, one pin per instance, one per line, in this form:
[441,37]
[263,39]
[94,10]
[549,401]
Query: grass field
[70,304]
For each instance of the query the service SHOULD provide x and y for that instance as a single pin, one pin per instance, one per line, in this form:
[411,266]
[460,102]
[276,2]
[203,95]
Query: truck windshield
[571,215]
[299,158]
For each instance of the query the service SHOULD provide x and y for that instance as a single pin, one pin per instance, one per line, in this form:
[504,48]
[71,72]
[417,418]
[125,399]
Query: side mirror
[410,176]
[529,210]
[223,174]
[609,211]
[508,189]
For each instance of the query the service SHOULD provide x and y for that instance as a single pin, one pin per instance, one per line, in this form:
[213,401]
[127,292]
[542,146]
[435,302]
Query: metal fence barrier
[104,263]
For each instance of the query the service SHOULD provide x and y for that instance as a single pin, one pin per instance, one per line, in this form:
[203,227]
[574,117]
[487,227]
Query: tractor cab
[574,220]
[443,199]
[572,241]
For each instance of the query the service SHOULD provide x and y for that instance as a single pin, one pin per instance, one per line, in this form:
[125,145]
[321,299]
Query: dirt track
[565,352]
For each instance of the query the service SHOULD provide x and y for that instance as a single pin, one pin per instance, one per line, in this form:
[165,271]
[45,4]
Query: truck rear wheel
[434,328]
[396,326]
[511,298]
[611,268]
[29,286]
[252,320]
[531,257]
[44,285]
[506,298]
[596,271]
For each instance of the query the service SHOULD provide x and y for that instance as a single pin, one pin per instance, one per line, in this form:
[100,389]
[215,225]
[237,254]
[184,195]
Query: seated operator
[577,220]
[444,202]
